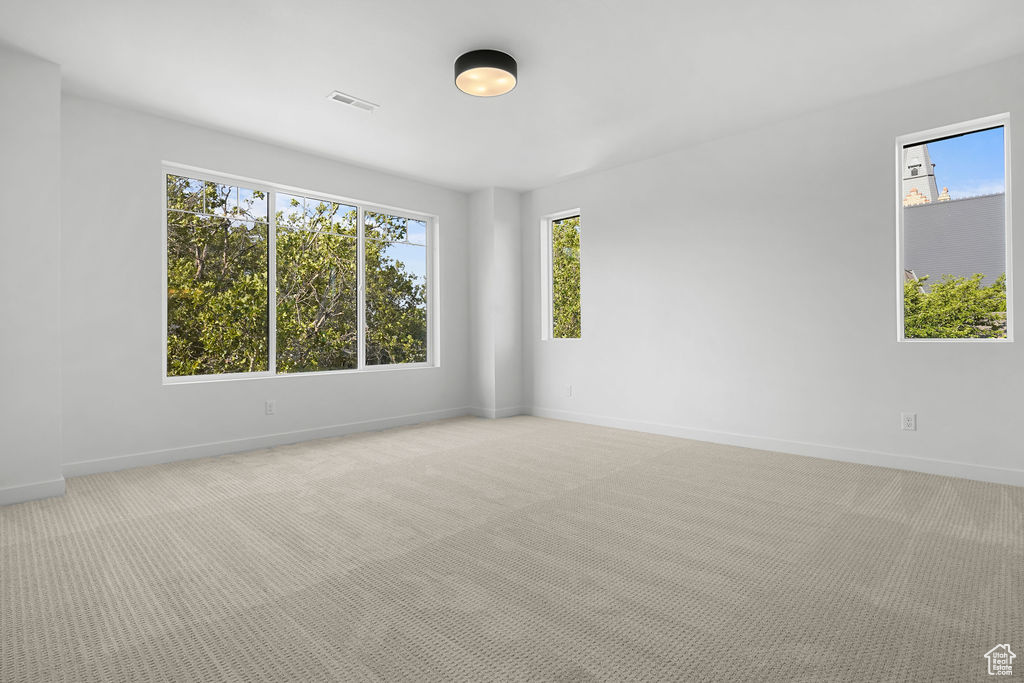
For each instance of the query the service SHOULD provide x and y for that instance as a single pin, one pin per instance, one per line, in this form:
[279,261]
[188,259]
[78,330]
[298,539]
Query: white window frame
[547,304]
[432,258]
[963,127]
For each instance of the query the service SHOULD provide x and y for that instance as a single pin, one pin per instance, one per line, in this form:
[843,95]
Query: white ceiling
[601,82]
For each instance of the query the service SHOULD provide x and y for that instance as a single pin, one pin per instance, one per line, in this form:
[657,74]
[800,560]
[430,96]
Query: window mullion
[272,281]
[361,284]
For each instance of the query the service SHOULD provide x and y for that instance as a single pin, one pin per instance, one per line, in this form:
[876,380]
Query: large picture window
[264,282]
[954,235]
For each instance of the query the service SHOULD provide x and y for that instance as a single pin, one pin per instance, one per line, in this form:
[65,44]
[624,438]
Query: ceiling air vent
[352,101]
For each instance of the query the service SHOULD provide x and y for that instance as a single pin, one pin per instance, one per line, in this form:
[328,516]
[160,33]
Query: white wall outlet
[270,407]
[908,422]
[568,391]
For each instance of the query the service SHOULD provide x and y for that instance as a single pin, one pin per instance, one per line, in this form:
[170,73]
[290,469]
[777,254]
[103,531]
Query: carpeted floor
[517,549]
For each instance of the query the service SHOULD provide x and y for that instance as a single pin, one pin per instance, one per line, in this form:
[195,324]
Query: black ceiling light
[485,73]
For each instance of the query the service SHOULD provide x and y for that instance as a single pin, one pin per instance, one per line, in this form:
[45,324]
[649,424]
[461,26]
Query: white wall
[495,302]
[29,278]
[743,291]
[116,411]
[481,298]
[508,305]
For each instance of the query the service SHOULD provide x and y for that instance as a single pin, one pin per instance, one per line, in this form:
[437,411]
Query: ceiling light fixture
[485,73]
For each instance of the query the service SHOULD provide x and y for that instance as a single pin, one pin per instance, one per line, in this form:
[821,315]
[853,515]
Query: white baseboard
[35,491]
[495,413]
[913,463]
[204,450]
[55,487]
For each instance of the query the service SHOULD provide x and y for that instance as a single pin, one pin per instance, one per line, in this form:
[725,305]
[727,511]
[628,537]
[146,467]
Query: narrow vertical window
[396,289]
[217,302]
[317,296]
[954,232]
[566,316]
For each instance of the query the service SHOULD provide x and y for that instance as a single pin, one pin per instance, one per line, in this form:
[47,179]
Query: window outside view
[317,295]
[217,246]
[565,278]
[396,289]
[954,237]
[218,308]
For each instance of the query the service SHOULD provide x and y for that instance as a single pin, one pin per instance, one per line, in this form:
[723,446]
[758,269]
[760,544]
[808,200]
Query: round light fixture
[485,73]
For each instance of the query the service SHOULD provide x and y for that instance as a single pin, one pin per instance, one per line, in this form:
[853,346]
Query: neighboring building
[943,236]
[959,237]
[918,176]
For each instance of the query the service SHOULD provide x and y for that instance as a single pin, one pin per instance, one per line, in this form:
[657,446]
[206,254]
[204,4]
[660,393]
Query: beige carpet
[518,549]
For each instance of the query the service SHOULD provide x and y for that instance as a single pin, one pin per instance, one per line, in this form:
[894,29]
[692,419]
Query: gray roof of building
[959,237]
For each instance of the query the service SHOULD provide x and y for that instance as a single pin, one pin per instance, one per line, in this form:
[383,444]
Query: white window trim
[547,303]
[945,131]
[432,259]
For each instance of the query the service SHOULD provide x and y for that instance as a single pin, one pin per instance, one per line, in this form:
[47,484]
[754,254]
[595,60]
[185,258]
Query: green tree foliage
[317,304]
[565,277]
[955,308]
[217,283]
[216,279]
[396,297]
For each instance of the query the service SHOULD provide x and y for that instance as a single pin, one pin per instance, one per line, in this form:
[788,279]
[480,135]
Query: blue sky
[971,164]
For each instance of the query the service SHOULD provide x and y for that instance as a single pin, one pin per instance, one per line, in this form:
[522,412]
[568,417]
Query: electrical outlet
[568,391]
[908,421]
[271,407]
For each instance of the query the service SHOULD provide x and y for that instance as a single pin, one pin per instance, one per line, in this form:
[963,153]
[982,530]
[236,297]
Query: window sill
[968,340]
[250,376]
